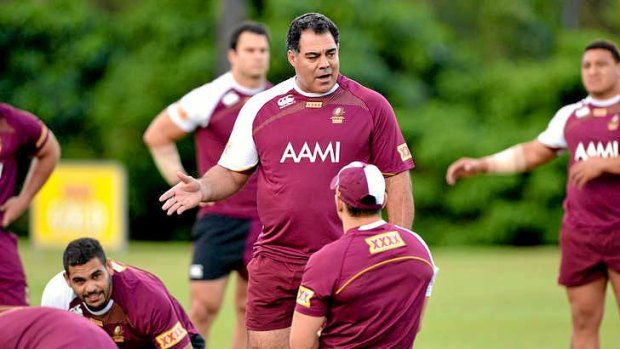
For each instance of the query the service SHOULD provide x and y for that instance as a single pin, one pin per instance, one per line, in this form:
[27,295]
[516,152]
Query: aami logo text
[598,149]
[330,152]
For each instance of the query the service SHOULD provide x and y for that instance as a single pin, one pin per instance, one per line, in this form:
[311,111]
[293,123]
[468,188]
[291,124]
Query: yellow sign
[81,199]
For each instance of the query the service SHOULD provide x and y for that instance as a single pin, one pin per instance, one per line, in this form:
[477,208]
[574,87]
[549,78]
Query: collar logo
[286,101]
[338,116]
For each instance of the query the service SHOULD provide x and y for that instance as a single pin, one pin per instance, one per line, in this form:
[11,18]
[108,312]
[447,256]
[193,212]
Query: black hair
[316,22]
[605,45]
[81,251]
[364,212]
[251,27]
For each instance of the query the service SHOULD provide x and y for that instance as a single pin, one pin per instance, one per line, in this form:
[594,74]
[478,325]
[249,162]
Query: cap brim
[334,183]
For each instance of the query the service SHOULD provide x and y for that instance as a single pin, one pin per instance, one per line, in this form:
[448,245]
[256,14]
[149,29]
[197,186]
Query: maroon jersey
[589,128]
[47,328]
[210,111]
[141,312]
[20,131]
[370,285]
[299,142]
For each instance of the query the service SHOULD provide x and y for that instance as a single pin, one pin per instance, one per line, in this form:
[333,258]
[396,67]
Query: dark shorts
[222,245]
[272,292]
[13,290]
[586,256]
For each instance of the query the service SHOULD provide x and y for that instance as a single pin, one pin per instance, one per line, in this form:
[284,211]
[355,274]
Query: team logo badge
[404,152]
[337,115]
[230,99]
[599,112]
[286,101]
[314,105]
[77,310]
[171,337]
[304,295]
[117,336]
[613,123]
[384,242]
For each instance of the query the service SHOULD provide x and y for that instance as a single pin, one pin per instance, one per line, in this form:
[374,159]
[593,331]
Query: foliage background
[465,78]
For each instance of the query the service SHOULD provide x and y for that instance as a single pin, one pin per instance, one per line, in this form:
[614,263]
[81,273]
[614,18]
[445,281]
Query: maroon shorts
[586,256]
[12,279]
[272,292]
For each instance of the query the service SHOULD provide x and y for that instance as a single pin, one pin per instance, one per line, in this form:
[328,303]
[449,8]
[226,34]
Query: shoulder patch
[171,337]
[304,296]
[384,242]
[404,152]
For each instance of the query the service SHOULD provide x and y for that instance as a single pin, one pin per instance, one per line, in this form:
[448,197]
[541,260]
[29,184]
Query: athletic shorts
[13,290]
[222,245]
[586,256]
[272,292]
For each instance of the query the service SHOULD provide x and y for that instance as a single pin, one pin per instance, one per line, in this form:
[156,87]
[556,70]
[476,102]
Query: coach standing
[298,135]
[20,133]
[369,288]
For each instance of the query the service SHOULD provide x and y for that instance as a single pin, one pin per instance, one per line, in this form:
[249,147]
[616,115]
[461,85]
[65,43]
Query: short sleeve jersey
[210,111]
[370,285]
[46,328]
[589,128]
[20,132]
[299,141]
[141,314]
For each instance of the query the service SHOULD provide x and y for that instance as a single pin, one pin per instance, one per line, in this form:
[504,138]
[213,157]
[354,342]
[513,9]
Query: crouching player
[369,288]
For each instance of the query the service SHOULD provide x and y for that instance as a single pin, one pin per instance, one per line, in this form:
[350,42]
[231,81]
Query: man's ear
[109,267]
[385,196]
[66,276]
[292,57]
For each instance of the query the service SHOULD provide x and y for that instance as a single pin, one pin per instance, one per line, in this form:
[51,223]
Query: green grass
[483,297]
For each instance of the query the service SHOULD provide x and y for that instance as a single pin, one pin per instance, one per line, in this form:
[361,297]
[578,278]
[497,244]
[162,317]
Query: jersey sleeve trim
[553,136]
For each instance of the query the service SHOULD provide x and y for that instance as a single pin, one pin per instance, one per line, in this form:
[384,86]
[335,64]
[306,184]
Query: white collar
[372,225]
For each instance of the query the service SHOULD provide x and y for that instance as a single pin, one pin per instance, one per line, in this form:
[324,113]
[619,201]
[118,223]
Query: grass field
[483,297]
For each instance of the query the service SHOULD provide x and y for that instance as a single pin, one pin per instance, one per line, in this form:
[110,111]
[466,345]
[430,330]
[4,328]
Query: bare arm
[304,331]
[217,184]
[40,169]
[519,158]
[161,137]
[400,205]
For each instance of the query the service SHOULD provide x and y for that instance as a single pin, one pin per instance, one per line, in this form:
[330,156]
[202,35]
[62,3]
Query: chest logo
[338,116]
[286,101]
[384,242]
[596,149]
[304,295]
[328,153]
[613,123]
[314,105]
[117,336]
[599,112]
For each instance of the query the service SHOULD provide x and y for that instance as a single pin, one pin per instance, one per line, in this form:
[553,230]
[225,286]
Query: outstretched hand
[183,196]
[463,167]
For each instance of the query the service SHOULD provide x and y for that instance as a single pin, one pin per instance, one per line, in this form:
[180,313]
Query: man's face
[316,64]
[251,58]
[91,282]
[600,74]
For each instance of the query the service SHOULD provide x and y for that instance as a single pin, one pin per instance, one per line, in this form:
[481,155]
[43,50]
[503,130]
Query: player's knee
[204,311]
[587,318]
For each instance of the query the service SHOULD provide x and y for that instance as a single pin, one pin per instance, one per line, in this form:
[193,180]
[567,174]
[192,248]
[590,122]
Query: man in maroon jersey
[590,234]
[369,288]
[20,133]
[225,231]
[297,135]
[47,328]
[133,306]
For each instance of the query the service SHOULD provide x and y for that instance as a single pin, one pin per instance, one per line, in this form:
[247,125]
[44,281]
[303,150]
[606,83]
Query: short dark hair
[252,27]
[317,22]
[361,212]
[605,45]
[81,251]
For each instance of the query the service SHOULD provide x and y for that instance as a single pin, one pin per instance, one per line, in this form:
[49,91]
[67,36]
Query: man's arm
[304,331]
[161,137]
[516,159]
[217,184]
[40,169]
[400,205]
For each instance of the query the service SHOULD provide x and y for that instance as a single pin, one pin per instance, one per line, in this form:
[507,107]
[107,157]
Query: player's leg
[583,272]
[272,291]
[206,297]
[587,303]
[13,290]
[240,335]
